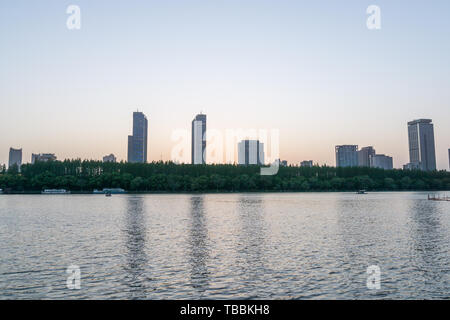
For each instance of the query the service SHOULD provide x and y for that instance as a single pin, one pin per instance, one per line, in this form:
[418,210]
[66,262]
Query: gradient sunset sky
[311,69]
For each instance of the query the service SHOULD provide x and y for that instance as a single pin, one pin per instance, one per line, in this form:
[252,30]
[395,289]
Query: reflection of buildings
[135,242]
[15,157]
[252,237]
[430,246]
[199,244]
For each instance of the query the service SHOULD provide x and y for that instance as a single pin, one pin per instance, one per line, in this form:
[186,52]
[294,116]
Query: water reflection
[252,239]
[199,246]
[135,243]
[428,243]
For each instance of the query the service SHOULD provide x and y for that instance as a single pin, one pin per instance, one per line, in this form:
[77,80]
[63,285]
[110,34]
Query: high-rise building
[306,163]
[364,156]
[250,152]
[421,144]
[15,157]
[449,158]
[346,156]
[137,143]
[109,158]
[381,161]
[198,151]
[42,157]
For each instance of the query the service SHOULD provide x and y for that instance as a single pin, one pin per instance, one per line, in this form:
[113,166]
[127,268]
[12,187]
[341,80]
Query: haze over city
[314,72]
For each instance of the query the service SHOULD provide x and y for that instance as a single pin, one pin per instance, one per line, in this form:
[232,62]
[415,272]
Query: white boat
[55,191]
[109,191]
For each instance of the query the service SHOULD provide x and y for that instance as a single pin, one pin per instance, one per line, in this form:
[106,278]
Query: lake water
[223,246]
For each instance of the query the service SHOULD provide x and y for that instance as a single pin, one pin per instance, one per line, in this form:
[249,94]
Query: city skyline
[322,82]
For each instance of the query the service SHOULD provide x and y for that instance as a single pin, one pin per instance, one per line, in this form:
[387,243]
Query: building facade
[421,144]
[137,143]
[109,158]
[306,163]
[364,156]
[42,157]
[346,156]
[15,157]
[198,145]
[250,152]
[381,161]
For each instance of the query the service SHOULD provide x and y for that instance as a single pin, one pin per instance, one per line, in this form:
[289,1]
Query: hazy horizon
[312,70]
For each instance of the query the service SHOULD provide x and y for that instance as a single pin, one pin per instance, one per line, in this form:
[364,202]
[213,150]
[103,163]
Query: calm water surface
[220,246]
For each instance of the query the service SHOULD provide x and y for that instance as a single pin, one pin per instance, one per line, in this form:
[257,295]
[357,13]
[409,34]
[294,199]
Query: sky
[310,69]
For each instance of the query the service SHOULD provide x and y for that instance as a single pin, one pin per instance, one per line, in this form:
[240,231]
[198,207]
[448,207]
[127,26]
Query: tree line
[87,175]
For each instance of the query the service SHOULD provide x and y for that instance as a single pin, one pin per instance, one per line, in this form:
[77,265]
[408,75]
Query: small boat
[55,191]
[361,192]
[108,194]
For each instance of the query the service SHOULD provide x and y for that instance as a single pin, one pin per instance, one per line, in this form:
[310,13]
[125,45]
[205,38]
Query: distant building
[346,156]
[15,157]
[137,143]
[42,157]
[198,146]
[411,166]
[109,158]
[449,158]
[306,163]
[364,156]
[381,161]
[421,144]
[250,152]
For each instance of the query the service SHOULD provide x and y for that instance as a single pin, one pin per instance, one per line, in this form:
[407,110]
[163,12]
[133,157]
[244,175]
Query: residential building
[198,145]
[364,156]
[306,163]
[137,143]
[346,156]
[421,144]
[381,161]
[15,157]
[109,158]
[42,157]
[250,152]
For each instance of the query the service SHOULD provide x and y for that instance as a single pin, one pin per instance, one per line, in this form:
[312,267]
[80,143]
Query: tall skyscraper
[250,152]
[15,157]
[137,143]
[422,153]
[364,156]
[346,156]
[381,161]
[198,152]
